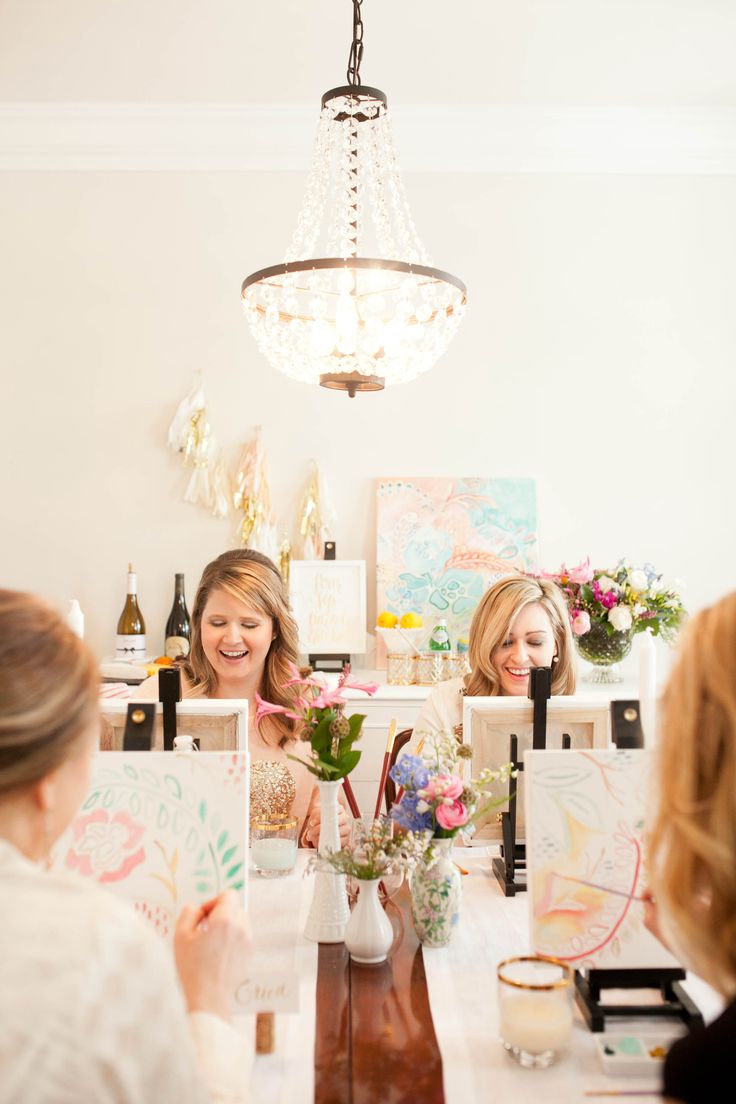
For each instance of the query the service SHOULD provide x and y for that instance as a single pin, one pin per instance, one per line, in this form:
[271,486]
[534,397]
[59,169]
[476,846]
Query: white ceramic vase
[329,911]
[368,935]
[435,896]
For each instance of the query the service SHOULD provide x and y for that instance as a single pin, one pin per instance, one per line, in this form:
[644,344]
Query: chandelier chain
[356,49]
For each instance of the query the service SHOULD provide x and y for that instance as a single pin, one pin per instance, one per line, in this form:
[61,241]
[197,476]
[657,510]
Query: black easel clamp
[139,722]
[675,1001]
[169,693]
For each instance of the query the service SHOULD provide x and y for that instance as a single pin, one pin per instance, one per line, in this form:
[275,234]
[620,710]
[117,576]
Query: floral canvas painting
[163,829]
[585,814]
[442,541]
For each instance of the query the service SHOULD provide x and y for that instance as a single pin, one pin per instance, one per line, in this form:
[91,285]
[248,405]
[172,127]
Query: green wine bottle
[177,626]
[439,641]
[131,635]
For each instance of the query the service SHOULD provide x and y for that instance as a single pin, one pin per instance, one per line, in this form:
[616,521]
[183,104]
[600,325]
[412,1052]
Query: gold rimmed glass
[535,1008]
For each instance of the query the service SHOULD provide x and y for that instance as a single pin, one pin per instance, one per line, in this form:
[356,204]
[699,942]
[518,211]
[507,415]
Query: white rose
[620,618]
[606,583]
[637,580]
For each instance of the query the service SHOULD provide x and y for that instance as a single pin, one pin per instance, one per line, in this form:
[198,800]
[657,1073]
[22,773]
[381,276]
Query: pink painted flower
[581,622]
[451,816]
[106,848]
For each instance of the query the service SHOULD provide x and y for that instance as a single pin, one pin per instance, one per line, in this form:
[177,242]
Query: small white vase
[329,911]
[368,935]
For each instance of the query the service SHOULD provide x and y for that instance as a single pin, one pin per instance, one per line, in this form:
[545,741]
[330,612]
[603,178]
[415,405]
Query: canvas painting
[585,815]
[163,829]
[441,541]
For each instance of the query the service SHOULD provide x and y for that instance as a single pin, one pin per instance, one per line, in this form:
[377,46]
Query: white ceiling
[588,53]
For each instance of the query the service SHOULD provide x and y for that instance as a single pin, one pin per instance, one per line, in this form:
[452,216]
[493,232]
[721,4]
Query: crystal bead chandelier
[356,304]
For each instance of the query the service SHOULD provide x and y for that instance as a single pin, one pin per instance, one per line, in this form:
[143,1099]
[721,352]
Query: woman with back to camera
[245,642]
[90,1007]
[521,622]
[692,843]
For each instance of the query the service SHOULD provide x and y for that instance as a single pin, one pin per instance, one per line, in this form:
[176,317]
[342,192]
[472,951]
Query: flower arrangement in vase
[376,853]
[435,804]
[330,757]
[607,609]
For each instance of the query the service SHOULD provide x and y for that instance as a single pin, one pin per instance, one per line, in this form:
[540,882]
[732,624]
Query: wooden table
[375,1039]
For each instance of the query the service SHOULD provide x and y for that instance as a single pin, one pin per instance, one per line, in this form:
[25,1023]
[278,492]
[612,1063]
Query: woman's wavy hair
[692,842]
[49,686]
[254,580]
[493,620]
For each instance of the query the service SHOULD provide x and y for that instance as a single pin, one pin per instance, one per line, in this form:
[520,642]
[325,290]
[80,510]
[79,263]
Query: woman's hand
[211,948]
[310,836]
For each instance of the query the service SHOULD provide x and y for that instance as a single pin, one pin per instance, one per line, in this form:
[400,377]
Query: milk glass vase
[329,911]
[435,895]
[368,935]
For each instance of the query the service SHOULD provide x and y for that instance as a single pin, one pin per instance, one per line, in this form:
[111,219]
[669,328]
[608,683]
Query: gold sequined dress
[272,788]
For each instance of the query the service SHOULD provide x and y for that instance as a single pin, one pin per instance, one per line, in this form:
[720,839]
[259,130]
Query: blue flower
[405,814]
[410,772]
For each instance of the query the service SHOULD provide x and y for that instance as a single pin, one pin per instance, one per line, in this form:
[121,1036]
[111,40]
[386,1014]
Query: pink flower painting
[106,847]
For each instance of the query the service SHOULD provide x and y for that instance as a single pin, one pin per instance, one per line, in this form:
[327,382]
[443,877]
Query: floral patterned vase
[435,896]
[604,652]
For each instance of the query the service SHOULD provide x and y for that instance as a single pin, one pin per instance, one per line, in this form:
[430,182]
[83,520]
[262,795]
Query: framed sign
[328,600]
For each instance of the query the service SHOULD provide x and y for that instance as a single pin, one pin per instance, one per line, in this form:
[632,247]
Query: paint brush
[604,889]
[386,764]
[621,1092]
[350,796]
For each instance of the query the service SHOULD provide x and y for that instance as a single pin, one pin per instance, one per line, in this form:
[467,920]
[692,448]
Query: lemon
[411,621]
[387,620]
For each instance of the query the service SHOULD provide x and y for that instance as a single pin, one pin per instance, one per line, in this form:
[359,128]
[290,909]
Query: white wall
[597,357]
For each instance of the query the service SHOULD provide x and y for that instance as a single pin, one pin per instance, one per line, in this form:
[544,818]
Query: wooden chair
[389,792]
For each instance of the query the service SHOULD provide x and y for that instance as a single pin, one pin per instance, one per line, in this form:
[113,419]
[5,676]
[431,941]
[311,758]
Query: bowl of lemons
[402,635]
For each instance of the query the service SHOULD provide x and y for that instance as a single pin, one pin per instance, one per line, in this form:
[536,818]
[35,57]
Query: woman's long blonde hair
[254,580]
[692,844]
[492,622]
[48,690]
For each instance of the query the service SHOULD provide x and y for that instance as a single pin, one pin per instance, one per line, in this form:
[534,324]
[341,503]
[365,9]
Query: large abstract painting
[163,829]
[585,857]
[442,541]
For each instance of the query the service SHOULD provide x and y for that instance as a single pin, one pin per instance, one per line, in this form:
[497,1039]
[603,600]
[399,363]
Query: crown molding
[476,138]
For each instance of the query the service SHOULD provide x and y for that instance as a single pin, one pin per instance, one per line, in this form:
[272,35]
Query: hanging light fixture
[370,310]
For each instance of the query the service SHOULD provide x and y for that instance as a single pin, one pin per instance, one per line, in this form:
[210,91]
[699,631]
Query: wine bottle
[131,638]
[177,626]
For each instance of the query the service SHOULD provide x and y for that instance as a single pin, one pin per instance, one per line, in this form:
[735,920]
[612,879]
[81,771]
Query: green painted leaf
[234,870]
[202,810]
[229,854]
[130,771]
[221,841]
[203,887]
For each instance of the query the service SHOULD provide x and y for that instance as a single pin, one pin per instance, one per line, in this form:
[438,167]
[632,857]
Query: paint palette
[633,1055]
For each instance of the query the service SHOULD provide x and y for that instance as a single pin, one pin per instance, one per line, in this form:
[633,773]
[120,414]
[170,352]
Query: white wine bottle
[177,626]
[131,638]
